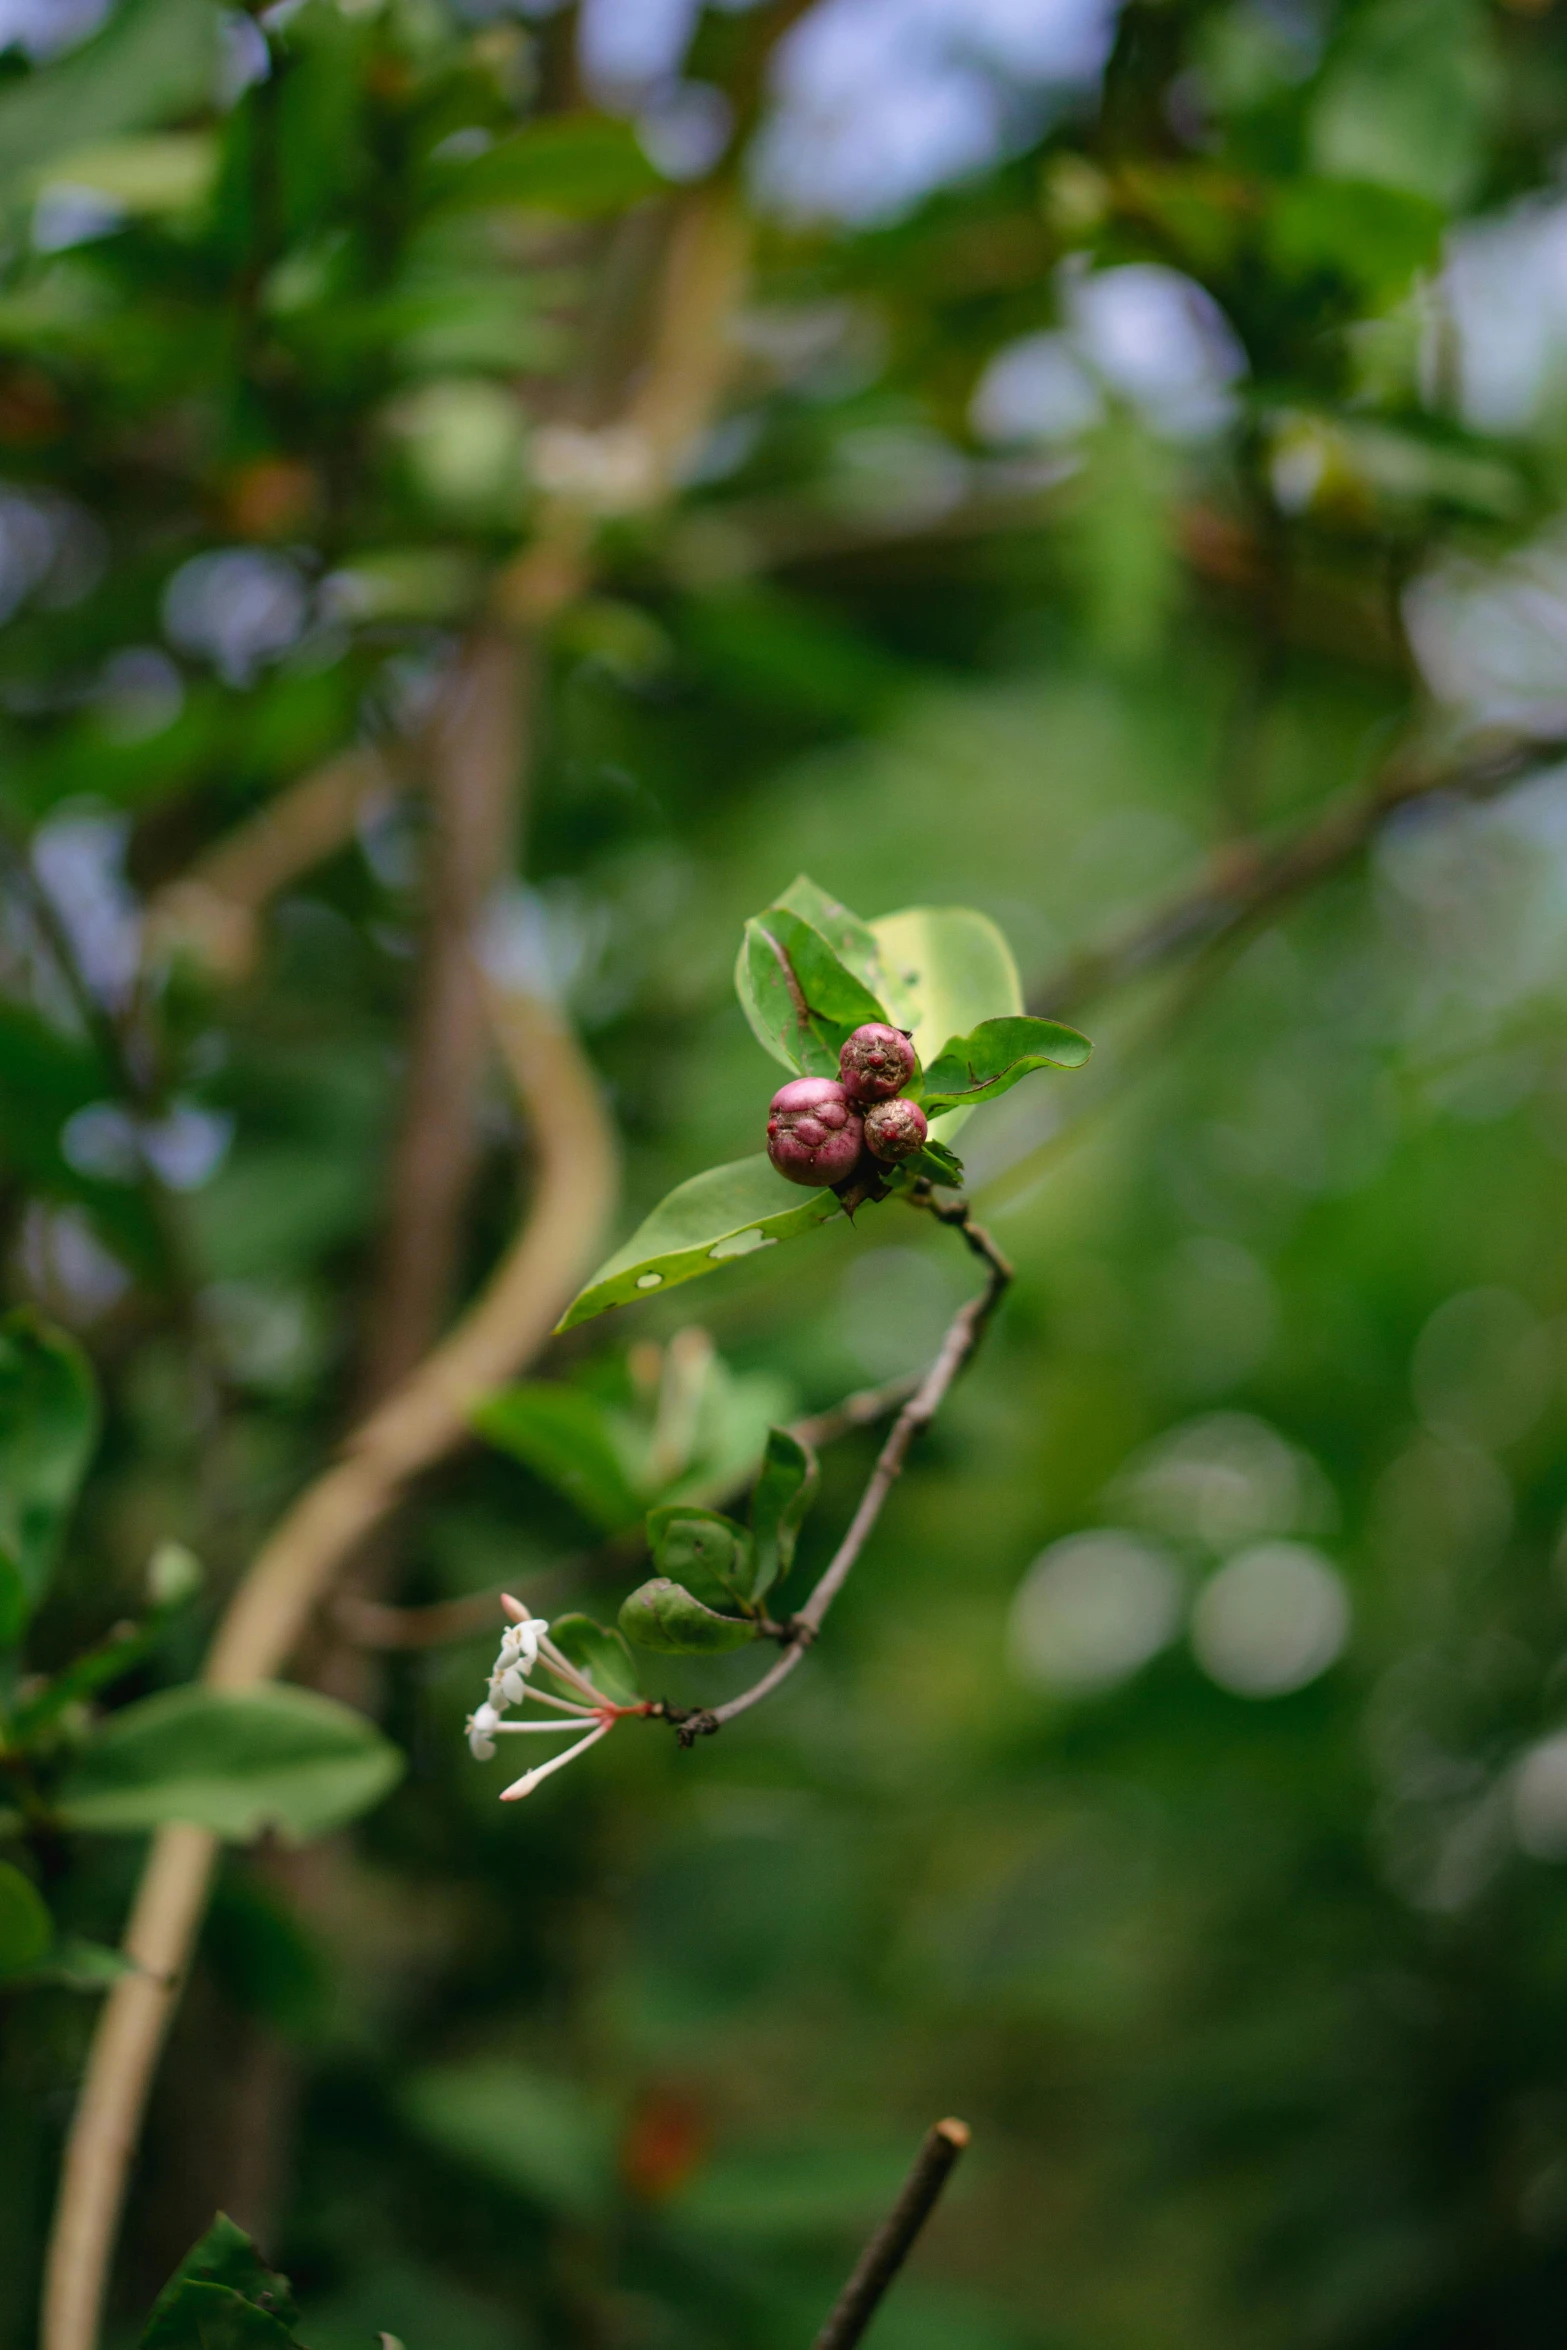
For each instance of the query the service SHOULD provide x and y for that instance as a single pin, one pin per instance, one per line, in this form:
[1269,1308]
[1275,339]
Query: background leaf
[576,165]
[26,1928]
[601,1654]
[993,1057]
[565,1436]
[529,2131]
[233,1761]
[153,60]
[48,1427]
[725,1213]
[663,1616]
[785,1489]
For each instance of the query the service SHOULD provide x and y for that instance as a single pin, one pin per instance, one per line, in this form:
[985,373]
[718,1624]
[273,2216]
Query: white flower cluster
[524,1645]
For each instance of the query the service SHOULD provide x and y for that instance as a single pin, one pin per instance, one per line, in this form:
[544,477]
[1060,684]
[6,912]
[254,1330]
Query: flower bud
[875,1062]
[814,1134]
[895,1130]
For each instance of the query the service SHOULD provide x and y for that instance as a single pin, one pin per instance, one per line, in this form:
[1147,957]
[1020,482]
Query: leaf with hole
[800,998]
[664,1616]
[993,1057]
[48,1426]
[725,1213]
[709,1553]
[600,1653]
[233,1761]
[956,968]
[567,1438]
[785,1488]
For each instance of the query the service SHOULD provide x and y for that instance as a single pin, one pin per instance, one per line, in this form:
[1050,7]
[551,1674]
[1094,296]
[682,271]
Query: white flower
[574,1707]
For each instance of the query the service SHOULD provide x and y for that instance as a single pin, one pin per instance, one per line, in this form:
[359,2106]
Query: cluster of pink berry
[818,1128]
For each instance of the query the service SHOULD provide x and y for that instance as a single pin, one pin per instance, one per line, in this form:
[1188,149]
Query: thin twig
[1250,880]
[893,2241]
[369,1624]
[964,1333]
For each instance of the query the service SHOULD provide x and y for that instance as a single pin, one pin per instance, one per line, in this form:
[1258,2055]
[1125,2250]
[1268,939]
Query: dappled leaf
[48,1426]
[785,1488]
[663,1615]
[725,1213]
[26,1928]
[704,1550]
[800,998]
[566,1437]
[992,1058]
[234,1761]
[600,1653]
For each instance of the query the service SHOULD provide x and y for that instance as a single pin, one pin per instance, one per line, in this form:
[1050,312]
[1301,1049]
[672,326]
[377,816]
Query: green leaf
[567,1438]
[957,970]
[26,1928]
[530,2132]
[576,165]
[1409,99]
[800,999]
[664,1616]
[853,942]
[76,1964]
[152,61]
[600,1653]
[234,1761]
[785,1488]
[726,1212]
[1374,238]
[938,1165]
[704,1550]
[226,2257]
[48,1426]
[991,1059]
[211,2317]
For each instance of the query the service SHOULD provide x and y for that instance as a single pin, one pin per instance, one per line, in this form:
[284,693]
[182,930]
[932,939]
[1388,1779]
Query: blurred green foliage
[1180,1793]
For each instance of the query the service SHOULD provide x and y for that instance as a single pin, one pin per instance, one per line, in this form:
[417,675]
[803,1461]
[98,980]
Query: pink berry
[895,1130]
[814,1134]
[875,1062]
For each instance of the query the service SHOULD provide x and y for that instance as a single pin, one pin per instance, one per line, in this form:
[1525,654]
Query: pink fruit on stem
[895,1130]
[814,1133]
[875,1062]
